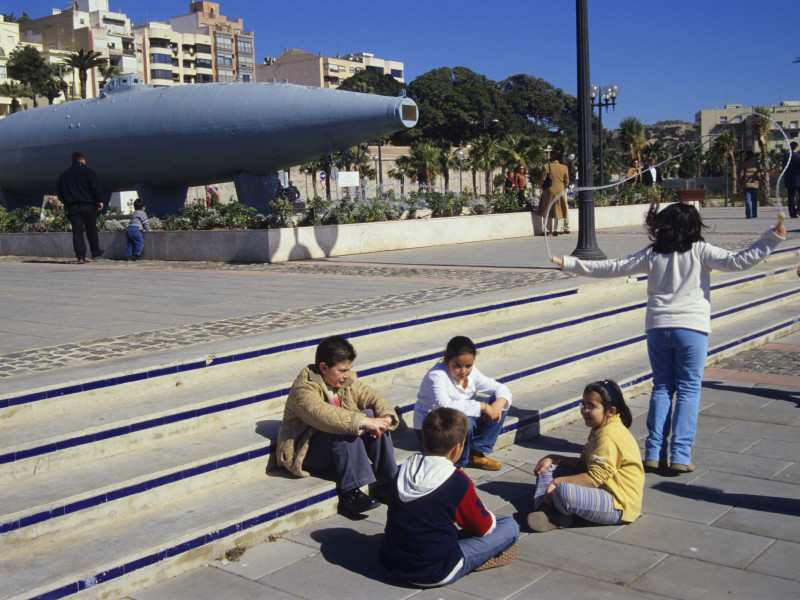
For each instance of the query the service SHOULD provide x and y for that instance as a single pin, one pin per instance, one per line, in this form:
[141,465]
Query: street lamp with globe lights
[608,98]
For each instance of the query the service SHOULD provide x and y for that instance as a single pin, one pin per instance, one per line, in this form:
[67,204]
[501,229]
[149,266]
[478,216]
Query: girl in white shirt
[455,382]
[678,265]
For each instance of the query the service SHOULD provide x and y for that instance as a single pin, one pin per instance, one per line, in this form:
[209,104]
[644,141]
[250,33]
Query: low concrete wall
[281,245]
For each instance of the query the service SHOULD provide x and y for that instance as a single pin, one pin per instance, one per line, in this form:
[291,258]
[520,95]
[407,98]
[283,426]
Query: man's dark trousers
[80,216]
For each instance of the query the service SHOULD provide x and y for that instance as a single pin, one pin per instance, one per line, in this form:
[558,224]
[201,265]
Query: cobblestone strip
[774,362]
[45,359]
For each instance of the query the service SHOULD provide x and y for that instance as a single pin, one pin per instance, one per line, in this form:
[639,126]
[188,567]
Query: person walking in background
[80,192]
[651,175]
[792,180]
[554,181]
[750,176]
[510,184]
[520,183]
[138,223]
[634,174]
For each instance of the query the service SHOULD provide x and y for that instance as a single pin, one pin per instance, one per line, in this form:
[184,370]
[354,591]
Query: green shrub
[504,203]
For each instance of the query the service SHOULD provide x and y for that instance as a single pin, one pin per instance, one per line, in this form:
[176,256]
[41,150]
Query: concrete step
[107,489]
[87,433]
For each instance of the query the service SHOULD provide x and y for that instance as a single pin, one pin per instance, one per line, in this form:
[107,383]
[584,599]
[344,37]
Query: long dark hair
[611,395]
[675,228]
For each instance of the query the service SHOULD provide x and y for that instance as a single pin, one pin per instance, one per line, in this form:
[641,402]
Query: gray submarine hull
[159,141]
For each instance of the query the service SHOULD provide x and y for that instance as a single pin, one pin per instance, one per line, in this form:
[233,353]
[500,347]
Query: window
[352,69]
[225,75]
[203,63]
[246,77]
[162,59]
[246,62]
[245,46]
[188,79]
[203,78]
[333,68]
[188,64]
[224,60]
[160,74]
[159,43]
[792,124]
[3,74]
[224,42]
[203,48]
[723,119]
[397,73]
[378,70]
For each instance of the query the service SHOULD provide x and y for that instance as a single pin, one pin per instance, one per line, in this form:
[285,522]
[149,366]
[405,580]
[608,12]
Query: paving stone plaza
[729,530]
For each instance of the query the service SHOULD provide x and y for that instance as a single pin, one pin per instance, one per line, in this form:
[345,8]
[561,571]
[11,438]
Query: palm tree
[402,169]
[107,72]
[631,137]
[14,90]
[521,151]
[761,126]
[425,162]
[84,61]
[483,156]
[447,161]
[725,144]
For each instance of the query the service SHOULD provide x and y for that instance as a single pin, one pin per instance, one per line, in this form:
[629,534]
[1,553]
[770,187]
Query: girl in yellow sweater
[605,484]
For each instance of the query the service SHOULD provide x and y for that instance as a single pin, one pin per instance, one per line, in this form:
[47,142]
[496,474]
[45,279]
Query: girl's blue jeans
[678,358]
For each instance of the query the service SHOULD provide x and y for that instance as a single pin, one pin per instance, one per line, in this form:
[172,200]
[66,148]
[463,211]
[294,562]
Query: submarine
[160,141]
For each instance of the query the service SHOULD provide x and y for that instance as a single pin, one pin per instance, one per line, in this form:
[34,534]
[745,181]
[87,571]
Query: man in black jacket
[80,192]
[651,174]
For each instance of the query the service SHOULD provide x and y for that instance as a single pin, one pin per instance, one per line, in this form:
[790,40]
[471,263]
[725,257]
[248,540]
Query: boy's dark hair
[611,395]
[443,429]
[675,228]
[138,204]
[459,345]
[793,146]
[334,349]
[76,156]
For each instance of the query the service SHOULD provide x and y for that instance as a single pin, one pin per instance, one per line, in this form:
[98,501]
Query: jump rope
[781,214]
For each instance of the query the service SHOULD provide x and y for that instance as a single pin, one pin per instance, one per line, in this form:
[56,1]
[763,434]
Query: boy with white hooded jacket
[422,545]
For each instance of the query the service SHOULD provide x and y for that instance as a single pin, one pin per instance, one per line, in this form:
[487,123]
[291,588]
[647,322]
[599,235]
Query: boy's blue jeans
[477,550]
[678,358]
[135,245]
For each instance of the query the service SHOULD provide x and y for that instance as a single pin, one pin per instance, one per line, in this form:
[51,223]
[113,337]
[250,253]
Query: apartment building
[710,122]
[231,46]
[303,68]
[88,25]
[165,57]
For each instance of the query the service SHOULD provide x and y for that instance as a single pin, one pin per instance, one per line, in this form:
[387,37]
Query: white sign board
[348,178]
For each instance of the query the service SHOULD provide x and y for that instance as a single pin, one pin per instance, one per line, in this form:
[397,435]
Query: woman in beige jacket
[559,176]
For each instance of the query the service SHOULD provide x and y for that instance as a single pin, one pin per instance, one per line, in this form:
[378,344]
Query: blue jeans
[135,245]
[477,550]
[751,203]
[481,437]
[678,358]
[357,460]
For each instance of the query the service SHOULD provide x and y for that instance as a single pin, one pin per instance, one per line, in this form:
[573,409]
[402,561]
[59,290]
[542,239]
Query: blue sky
[670,58]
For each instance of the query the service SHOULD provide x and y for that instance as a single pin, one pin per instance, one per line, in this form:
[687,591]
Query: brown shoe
[477,460]
[676,468]
[653,466]
[502,559]
[547,520]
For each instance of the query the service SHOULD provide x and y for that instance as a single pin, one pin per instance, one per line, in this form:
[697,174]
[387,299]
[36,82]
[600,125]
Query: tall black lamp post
[609,98]
[459,156]
[587,247]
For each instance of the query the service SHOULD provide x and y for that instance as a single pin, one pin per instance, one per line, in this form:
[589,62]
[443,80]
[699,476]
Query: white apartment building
[710,122]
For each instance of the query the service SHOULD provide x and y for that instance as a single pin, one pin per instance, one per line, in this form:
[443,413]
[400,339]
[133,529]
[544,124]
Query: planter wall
[280,245]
